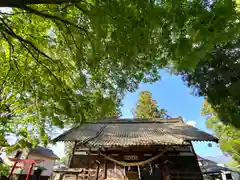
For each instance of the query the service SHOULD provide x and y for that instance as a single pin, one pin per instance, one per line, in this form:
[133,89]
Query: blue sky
[172,94]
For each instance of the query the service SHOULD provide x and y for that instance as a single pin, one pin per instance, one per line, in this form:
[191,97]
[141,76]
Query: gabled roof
[135,132]
[37,151]
[44,152]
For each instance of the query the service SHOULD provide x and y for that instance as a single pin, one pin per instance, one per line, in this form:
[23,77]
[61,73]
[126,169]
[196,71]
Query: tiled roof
[135,132]
[41,151]
[38,150]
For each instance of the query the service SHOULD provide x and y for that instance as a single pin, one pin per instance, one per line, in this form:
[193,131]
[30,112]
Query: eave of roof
[43,152]
[135,132]
[40,151]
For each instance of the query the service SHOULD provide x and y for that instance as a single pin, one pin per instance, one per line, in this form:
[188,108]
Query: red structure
[29,167]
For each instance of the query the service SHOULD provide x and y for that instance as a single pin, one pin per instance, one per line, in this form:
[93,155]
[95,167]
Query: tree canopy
[70,63]
[13,3]
[229,136]
[217,77]
[148,108]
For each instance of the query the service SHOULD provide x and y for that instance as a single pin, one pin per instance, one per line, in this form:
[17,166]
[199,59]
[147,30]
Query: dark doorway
[132,173]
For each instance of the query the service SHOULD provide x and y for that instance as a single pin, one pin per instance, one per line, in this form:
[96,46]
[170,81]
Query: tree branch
[81,9]
[70,49]
[6,29]
[65,7]
[10,68]
[22,41]
[11,50]
[34,11]
[74,41]
[12,33]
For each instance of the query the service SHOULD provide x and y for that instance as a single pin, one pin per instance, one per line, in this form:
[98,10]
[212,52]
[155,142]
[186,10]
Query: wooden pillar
[154,170]
[72,155]
[139,172]
[105,169]
[98,168]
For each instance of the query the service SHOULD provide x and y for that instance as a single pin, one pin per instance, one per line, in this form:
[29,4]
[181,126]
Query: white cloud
[191,123]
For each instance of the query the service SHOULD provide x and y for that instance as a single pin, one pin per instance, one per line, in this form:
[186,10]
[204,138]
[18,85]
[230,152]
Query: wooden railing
[91,174]
[76,174]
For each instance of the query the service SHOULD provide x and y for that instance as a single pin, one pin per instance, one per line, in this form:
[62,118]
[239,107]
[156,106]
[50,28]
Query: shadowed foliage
[217,77]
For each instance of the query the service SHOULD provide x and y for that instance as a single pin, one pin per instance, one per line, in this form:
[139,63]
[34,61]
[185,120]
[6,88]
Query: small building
[144,149]
[44,157]
[213,170]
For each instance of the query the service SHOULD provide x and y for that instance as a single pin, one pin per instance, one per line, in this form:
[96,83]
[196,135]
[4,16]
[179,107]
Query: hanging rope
[122,163]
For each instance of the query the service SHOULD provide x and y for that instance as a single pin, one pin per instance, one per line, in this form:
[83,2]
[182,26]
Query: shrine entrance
[148,172]
[132,173]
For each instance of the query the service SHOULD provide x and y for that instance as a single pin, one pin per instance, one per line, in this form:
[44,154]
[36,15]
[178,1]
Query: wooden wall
[181,166]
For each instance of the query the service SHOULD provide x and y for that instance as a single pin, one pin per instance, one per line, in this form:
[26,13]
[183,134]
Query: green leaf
[229,136]
[76,61]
